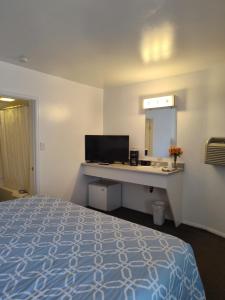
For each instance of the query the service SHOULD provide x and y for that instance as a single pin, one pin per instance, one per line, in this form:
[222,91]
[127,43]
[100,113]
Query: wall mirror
[160,131]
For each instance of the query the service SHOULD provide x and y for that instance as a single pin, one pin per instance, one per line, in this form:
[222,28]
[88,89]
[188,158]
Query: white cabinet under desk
[144,175]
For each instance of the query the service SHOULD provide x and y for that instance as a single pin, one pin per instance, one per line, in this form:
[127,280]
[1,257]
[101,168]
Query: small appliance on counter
[134,155]
[145,162]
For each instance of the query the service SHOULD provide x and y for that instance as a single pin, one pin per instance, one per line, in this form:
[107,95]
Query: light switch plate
[42,146]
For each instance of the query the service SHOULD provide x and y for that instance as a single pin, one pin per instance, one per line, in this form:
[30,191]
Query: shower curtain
[15,147]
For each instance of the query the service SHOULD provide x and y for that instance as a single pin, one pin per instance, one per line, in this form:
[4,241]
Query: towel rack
[215,151]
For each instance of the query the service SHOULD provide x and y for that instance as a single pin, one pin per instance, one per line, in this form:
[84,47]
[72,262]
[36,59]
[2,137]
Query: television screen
[107,148]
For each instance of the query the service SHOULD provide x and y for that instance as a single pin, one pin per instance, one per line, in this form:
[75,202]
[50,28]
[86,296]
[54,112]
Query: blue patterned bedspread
[52,249]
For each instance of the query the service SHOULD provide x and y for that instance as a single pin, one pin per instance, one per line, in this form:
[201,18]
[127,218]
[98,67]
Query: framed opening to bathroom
[33,138]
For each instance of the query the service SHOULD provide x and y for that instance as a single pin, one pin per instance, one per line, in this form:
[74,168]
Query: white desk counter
[143,175]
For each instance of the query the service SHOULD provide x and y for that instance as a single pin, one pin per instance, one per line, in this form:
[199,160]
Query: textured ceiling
[113,42]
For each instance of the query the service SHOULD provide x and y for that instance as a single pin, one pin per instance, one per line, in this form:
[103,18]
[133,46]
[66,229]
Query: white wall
[201,114]
[67,111]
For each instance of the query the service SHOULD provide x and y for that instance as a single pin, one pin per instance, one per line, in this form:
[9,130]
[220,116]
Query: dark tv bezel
[107,161]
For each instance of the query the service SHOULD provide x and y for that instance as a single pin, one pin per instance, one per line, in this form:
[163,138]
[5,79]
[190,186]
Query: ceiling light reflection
[157,43]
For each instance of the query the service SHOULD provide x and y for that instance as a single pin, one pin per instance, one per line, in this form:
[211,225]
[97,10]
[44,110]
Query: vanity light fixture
[157,102]
[6,99]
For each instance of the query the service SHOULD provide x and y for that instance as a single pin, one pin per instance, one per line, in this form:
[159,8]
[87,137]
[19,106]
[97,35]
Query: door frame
[35,129]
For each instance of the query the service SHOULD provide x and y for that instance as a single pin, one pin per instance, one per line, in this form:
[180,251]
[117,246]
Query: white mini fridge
[104,195]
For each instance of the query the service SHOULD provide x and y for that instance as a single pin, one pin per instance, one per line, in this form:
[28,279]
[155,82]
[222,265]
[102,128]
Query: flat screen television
[106,148]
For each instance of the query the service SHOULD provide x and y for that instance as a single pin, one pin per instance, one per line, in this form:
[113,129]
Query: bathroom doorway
[17,148]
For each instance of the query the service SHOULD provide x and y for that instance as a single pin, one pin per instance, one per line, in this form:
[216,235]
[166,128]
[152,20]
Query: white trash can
[158,208]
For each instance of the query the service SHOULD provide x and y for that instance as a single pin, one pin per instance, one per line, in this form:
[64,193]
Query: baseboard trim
[209,229]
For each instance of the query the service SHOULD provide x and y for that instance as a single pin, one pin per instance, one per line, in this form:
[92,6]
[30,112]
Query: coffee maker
[134,155]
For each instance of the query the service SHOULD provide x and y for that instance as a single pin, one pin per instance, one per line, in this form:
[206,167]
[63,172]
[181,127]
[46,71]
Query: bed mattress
[54,249]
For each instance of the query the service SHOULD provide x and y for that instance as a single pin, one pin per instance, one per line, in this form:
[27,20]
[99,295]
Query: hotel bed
[53,249]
